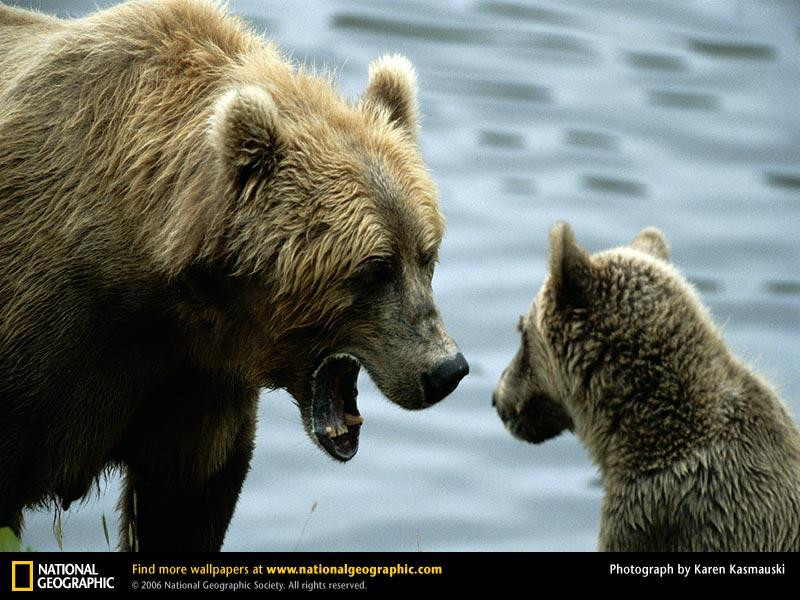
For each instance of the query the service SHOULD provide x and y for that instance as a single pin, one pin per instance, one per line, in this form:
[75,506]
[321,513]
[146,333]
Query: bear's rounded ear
[393,85]
[244,131]
[653,242]
[570,266]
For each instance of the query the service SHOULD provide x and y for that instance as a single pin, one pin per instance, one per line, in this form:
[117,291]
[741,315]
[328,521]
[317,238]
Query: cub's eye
[376,272]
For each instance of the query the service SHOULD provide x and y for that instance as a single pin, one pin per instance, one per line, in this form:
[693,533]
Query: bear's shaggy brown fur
[186,217]
[696,451]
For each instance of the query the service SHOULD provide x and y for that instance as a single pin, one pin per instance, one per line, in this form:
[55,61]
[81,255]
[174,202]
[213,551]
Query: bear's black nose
[444,378]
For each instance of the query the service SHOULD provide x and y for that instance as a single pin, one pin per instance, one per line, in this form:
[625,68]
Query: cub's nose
[444,378]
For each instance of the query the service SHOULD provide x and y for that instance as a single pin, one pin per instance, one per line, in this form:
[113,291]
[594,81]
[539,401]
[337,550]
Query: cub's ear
[393,85]
[651,241]
[244,130]
[570,266]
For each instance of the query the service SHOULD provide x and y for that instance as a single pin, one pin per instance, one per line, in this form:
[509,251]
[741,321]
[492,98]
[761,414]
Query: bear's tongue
[335,419]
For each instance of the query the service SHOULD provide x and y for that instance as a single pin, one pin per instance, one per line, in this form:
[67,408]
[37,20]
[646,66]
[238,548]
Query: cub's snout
[525,397]
[529,415]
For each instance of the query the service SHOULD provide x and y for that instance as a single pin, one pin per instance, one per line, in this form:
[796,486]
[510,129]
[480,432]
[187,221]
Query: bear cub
[696,451]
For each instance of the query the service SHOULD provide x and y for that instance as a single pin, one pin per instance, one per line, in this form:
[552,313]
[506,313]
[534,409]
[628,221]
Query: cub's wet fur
[696,450]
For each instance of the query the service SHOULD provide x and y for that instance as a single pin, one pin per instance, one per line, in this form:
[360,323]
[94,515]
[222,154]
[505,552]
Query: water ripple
[614,185]
[687,100]
[732,50]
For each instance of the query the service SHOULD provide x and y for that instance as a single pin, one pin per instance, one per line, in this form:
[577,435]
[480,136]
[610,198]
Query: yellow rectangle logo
[21,575]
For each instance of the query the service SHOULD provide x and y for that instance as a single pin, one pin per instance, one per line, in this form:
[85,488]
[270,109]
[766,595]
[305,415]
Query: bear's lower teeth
[349,420]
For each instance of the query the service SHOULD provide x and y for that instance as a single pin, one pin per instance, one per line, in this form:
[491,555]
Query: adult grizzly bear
[185,218]
[696,451]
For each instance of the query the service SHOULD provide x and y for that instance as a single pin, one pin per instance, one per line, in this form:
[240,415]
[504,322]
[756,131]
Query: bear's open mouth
[335,420]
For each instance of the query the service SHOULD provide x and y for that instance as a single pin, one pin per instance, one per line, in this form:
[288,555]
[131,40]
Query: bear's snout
[444,378]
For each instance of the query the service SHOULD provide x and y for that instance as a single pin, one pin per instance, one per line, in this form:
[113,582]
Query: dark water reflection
[612,115]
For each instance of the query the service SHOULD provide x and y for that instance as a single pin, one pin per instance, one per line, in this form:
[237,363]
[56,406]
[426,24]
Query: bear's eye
[375,272]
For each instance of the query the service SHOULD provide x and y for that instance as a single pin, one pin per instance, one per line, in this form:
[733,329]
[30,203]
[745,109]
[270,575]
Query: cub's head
[607,342]
[329,241]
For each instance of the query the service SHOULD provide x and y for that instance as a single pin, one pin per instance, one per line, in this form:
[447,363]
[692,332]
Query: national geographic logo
[21,575]
[27,576]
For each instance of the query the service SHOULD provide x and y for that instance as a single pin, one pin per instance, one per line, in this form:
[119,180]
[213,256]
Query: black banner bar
[374,572]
